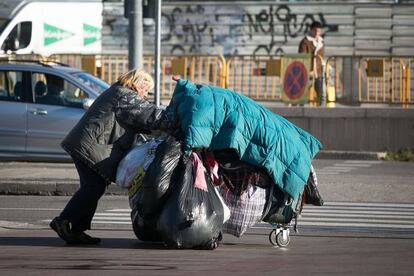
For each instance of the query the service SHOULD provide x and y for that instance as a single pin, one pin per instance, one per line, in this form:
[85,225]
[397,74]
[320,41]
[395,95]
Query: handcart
[282,213]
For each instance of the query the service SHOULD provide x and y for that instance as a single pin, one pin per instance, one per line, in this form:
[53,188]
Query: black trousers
[81,207]
[318,89]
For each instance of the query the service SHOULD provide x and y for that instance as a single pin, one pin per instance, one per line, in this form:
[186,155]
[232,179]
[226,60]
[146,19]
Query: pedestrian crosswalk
[346,166]
[359,215]
[334,215]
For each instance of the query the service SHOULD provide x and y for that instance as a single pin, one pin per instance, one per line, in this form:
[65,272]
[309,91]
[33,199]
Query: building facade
[351,28]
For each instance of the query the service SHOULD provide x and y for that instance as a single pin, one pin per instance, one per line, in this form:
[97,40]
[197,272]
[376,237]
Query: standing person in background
[313,44]
[98,142]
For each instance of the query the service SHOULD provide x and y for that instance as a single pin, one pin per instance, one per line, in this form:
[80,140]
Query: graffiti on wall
[188,32]
[232,30]
[293,26]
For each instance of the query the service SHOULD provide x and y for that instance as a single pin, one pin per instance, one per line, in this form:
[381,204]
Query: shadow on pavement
[112,243]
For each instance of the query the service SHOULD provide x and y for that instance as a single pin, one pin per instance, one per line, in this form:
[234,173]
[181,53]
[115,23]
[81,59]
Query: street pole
[135,35]
[157,52]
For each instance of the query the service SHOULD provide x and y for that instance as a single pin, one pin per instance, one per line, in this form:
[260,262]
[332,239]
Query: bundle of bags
[187,201]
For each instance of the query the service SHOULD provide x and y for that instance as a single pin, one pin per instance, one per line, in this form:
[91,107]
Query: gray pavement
[340,238]
[329,242]
[35,178]
[37,252]
[41,178]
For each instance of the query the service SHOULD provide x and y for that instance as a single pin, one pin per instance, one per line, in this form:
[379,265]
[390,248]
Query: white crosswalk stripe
[346,166]
[336,215]
[113,216]
[363,161]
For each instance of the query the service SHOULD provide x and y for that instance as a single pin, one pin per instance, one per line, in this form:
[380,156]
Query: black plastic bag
[311,192]
[281,207]
[158,177]
[145,230]
[191,217]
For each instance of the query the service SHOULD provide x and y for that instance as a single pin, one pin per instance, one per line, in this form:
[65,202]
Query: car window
[11,86]
[91,81]
[54,90]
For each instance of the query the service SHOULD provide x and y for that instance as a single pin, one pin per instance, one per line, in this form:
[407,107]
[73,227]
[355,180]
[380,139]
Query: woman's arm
[142,115]
[137,112]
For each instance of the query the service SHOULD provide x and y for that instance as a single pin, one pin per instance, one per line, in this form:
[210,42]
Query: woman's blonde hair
[137,80]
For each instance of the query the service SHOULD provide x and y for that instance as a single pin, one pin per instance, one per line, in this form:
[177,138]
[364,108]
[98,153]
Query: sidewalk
[35,178]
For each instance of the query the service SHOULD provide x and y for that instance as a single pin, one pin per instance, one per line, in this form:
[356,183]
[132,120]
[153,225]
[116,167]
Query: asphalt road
[366,227]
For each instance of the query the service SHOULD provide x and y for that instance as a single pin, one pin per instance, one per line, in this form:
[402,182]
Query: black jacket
[106,132]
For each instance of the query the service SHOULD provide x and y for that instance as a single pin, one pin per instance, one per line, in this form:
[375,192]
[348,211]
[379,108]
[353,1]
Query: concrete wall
[270,27]
[355,128]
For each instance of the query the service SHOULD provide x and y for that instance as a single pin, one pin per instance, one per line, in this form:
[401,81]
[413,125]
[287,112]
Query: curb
[350,155]
[50,188]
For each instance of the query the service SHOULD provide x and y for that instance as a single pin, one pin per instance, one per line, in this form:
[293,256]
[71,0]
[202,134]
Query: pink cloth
[212,166]
[198,171]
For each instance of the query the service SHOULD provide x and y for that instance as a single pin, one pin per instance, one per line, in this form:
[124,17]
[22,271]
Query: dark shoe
[62,228]
[82,238]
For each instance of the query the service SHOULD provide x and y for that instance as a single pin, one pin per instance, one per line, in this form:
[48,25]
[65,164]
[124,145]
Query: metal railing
[247,75]
[347,79]
[204,69]
[392,85]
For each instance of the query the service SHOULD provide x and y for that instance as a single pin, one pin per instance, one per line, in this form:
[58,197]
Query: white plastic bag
[226,209]
[133,166]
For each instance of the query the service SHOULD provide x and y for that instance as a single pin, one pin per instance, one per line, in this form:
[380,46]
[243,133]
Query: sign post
[135,33]
[157,69]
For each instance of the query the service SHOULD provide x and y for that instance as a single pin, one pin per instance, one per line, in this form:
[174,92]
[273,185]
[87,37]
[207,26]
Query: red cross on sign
[295,80]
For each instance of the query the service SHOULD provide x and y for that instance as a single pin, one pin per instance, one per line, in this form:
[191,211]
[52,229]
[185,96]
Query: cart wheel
[282,240]
[272,237]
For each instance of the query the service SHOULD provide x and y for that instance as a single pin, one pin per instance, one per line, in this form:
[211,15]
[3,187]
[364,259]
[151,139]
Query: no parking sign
[296,78]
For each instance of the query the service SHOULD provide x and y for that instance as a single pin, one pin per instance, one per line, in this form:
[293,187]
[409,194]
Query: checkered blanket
[246,209]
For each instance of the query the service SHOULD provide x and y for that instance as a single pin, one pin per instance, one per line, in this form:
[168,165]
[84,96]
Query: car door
[56,108]
[13,110]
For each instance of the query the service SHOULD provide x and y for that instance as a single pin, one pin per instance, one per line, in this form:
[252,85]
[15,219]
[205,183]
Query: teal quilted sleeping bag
[217,118]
